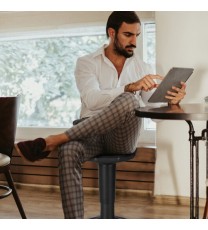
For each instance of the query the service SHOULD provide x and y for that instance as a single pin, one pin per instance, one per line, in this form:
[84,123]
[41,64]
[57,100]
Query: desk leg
[197,181]
[194,213]
[205,216]
[194,156]
[205,137]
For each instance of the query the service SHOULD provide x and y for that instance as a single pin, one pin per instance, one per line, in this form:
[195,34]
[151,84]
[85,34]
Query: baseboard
[176,200]
[87,190]
[33,187]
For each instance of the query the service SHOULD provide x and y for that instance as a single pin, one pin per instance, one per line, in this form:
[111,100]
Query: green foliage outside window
[42,71]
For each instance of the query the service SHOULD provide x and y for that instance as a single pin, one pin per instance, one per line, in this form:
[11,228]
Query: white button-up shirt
[98,82]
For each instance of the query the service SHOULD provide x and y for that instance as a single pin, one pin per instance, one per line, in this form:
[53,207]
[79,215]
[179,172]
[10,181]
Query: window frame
[147,136]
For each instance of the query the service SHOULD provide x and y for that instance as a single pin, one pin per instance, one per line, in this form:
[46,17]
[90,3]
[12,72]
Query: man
[112,82]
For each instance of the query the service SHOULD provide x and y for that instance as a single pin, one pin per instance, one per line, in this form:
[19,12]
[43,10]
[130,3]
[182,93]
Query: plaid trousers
[115,130]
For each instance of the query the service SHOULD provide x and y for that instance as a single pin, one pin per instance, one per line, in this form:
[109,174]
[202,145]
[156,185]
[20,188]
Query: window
[149,44]
[40,66]
[42,71]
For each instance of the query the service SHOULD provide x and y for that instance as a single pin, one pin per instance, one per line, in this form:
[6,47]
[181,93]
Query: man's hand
[146,83]
[177,94]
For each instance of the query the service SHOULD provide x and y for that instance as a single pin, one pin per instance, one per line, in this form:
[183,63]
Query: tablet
[173,78]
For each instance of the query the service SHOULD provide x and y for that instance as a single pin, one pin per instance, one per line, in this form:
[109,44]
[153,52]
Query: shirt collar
[101,51]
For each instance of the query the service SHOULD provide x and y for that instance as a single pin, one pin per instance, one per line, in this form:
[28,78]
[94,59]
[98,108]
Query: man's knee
[130,97]
[129,101]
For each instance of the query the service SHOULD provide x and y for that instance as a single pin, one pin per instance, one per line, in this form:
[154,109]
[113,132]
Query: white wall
[36,20]
[182,40]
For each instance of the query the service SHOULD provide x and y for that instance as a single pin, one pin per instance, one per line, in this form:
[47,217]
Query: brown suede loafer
[32,150]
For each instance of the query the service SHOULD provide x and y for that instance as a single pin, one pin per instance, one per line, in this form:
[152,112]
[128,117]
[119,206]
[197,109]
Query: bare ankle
[53,141]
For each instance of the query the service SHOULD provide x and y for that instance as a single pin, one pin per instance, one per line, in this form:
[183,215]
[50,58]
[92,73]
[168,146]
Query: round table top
[175,112]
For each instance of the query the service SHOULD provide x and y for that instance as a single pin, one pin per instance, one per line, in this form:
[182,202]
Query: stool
[107,179]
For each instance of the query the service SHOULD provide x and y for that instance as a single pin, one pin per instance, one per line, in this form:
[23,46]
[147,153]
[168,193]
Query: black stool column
[107,178]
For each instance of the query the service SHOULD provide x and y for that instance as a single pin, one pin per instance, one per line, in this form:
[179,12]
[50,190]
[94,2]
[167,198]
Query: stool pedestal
[107,182]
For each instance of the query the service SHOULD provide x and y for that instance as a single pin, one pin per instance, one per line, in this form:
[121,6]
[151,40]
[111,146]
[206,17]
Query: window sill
[30,133]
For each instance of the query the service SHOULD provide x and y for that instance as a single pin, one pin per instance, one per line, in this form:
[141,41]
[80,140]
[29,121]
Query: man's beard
[121,51]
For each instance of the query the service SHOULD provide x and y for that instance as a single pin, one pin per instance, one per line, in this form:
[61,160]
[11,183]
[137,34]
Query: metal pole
[197,181]
[191,140]
[205,215]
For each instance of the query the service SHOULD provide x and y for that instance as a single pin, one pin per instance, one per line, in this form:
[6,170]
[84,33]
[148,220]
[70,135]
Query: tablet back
[173,78]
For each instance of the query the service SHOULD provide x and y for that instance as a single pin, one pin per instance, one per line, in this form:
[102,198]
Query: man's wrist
[171,103]
[130,88]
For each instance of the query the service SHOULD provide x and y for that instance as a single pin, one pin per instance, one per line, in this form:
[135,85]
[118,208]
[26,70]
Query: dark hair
[118,17]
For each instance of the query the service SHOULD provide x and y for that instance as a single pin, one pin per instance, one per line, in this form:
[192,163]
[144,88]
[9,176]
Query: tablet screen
[173,78]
